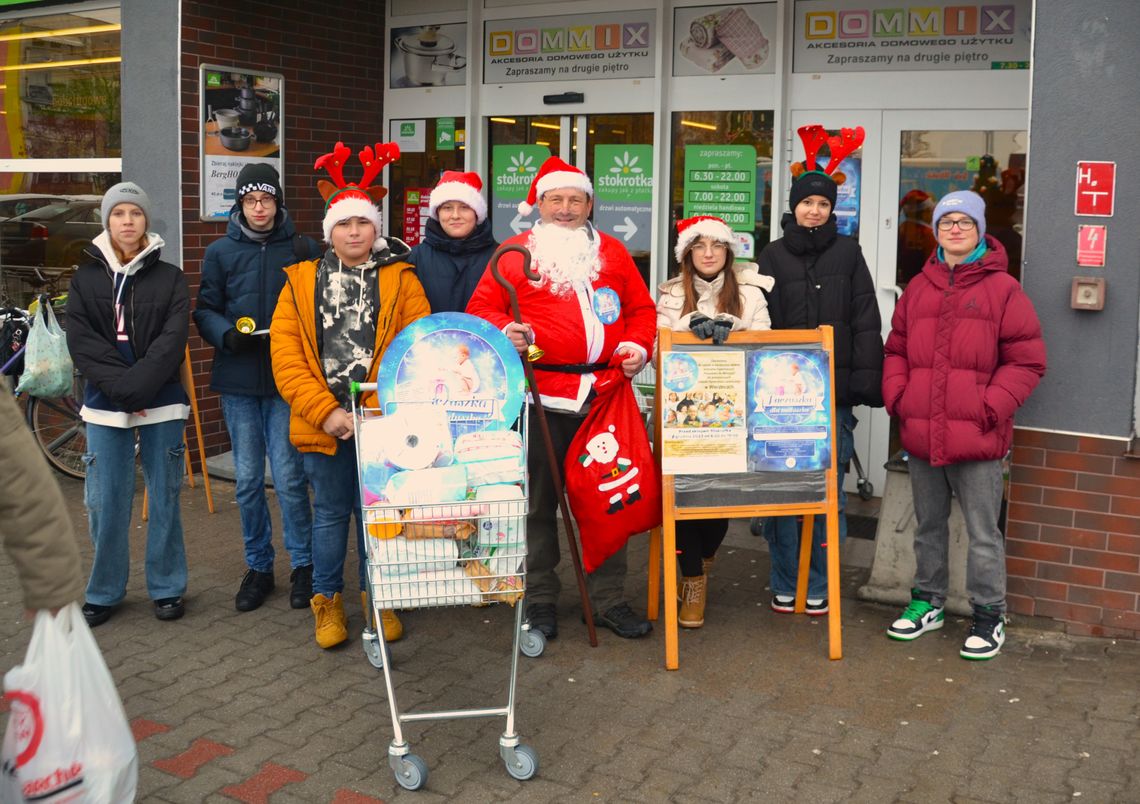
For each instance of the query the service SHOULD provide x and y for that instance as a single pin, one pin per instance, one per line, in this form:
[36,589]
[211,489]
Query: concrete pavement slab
[231,706]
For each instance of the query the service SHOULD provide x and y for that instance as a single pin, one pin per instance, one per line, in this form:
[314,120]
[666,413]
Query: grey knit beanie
[126,192]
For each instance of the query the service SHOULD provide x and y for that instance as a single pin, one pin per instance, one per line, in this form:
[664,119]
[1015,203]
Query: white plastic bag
[67,738]
[47,363]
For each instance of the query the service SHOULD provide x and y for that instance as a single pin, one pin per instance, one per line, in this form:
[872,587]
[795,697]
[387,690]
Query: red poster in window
[415,214]
[1091,245]
[1096,188]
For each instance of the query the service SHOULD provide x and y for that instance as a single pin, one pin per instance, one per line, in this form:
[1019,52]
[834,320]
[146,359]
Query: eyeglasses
[715,246]
[964,224]
[266,202]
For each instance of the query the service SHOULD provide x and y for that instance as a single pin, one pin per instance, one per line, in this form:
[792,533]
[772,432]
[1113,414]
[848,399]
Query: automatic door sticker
[459,362]
[788,420]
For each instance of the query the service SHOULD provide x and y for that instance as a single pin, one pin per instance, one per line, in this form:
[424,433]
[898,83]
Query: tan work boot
[706,565]
[693,594]
[393,628]
[331,622]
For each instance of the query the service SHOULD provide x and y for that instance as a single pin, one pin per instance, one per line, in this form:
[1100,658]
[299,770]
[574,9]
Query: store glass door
[926,155]
[615,151]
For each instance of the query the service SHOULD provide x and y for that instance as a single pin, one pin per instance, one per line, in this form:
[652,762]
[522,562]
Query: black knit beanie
[258,177]
[813,182]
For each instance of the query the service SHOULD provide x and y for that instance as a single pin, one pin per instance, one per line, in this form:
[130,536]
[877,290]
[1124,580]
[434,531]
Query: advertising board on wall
[724,40]
[427,56]
[240,118]
[721,180]
[615,45]
[871,35]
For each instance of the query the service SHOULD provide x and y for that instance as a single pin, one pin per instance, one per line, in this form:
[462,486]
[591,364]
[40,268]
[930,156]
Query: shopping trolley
[470,552]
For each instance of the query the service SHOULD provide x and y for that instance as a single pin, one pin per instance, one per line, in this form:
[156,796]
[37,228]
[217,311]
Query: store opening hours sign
[721,180]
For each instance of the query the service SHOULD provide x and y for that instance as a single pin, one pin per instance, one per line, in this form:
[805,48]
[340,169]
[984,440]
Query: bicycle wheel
[59,431]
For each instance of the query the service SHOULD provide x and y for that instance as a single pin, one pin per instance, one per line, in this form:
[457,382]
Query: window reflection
[59,86]
[934,163]
[45,226]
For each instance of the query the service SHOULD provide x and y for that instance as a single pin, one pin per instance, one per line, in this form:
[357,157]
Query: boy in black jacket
[242,276]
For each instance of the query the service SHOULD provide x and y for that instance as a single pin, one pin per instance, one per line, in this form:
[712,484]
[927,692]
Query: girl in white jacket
[713,295]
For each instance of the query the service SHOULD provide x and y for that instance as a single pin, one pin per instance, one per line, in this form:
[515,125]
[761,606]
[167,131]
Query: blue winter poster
[789,404]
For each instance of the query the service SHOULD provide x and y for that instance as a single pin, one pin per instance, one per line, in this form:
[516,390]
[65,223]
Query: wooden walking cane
[533,353]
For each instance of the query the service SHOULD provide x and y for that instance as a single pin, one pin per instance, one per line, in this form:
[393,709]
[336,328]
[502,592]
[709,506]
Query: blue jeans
[259,426]
[109,493]
[336,497]
[783,532]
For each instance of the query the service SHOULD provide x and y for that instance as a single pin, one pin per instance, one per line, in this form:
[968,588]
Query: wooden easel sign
[745,429]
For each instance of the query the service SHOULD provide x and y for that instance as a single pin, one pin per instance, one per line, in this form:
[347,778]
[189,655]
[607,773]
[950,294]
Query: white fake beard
[564,257]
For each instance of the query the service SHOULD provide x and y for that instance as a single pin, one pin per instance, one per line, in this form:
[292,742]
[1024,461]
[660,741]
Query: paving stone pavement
[229,706]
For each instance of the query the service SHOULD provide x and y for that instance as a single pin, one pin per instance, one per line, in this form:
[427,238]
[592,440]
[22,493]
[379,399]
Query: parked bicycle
[58,428]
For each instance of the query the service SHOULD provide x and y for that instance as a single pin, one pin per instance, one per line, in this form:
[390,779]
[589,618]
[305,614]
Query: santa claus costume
[590,304]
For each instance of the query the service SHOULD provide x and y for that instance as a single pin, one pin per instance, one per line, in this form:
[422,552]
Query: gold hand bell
[245,325]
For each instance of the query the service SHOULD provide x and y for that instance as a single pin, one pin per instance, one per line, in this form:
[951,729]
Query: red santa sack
[611,477]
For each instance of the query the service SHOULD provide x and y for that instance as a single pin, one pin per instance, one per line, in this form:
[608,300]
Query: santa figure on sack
[589,304]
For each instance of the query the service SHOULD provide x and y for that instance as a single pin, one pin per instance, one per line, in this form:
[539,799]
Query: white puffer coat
[752,285]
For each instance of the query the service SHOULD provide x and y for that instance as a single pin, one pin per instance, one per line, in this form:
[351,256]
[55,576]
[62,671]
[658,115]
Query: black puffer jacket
[449,269]
[157,321]
[822,278]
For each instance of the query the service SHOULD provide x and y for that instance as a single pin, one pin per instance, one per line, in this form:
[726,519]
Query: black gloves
[701,325]
[721,328]
[704,327]
[237,343]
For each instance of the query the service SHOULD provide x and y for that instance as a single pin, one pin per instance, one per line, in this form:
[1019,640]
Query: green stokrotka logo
[407,129]
[625,172]
[518,173]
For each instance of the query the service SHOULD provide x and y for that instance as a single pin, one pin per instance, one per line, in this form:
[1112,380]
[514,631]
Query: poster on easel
[745,429]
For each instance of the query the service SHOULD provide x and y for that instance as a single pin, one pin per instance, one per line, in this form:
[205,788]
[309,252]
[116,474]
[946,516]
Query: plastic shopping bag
[611,475]
[47,363]
[67,737]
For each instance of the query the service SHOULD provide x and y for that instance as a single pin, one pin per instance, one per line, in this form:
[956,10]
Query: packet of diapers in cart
[400,557]
[447,484]
[501,539]
[491,457]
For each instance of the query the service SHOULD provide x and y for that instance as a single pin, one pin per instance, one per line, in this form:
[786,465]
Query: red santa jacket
[964,353]
[588,326]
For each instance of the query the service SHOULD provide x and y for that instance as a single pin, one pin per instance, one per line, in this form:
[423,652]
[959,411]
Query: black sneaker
[255,587]
[543,617]
[95,614]
[987,635]
[622,621]
[169,608]
[302,591]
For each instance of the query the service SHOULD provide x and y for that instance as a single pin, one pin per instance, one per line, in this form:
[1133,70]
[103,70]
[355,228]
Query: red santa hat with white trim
[555,175]
[465,188]
[689,229]
[344,200]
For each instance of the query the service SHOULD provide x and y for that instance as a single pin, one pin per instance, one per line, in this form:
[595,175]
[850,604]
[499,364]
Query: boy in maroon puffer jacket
[964,353]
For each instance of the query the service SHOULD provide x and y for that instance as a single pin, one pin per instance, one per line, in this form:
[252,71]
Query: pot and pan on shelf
[235,138]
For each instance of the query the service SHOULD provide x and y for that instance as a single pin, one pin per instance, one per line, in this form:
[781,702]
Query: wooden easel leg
[188,384]
[669,562]
[652,606]
[146,506]
[834,618]
[805,564]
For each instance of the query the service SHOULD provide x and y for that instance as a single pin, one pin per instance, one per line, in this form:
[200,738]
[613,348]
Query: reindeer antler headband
[840,146]
[373,162]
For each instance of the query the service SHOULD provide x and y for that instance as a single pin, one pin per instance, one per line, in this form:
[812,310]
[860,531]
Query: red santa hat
[698,226]
[462,187]
[916,200]
[555,175]
[344,200]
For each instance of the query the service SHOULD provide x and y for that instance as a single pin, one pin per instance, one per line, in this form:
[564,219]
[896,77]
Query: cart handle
[360,387]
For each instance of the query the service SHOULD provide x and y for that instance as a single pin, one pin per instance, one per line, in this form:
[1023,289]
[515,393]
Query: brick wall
[333,58]
[1073,533]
